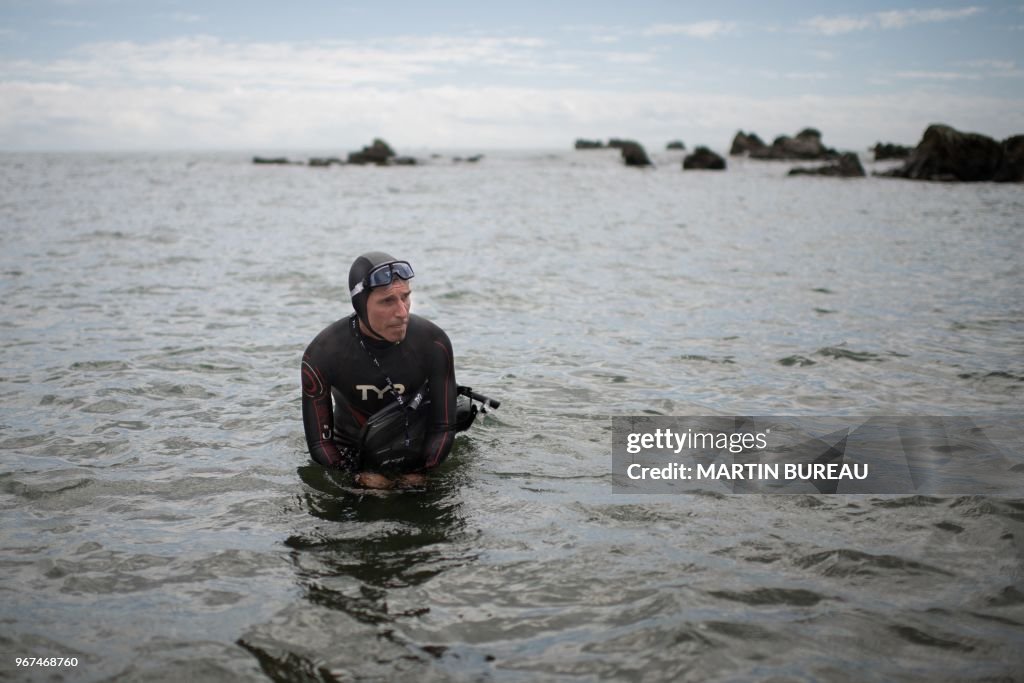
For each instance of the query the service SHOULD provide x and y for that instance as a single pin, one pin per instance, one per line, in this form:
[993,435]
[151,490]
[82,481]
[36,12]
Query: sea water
[161,518]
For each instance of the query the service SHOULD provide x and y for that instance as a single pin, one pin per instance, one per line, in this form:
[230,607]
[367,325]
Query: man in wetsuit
[362,363]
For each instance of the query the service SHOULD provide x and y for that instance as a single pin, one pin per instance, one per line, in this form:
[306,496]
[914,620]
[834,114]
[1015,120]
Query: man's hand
[372,480]
[412,480]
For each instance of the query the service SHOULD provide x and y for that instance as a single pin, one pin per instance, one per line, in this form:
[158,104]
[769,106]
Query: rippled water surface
[162,521]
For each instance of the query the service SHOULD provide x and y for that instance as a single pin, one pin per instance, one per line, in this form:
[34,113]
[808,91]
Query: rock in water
[888,150]
[806,145]
[1012,168]
[379,153]
[633,153]
[848,166]
[947,154]
[744,143]
[703,159]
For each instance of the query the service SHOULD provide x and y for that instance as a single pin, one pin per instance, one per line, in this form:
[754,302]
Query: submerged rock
[270,160]
[848,166]
[947,154]
[325,161]
[703,159]
[675,144]
[589,144]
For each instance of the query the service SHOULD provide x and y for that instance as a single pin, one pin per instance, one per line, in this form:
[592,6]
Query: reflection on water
[369,544]
[386,538]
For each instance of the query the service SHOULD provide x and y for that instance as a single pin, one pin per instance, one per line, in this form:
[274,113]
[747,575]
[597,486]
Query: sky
[331,76]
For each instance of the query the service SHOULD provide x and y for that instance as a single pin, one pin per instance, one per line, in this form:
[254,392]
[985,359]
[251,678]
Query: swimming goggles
[383,275]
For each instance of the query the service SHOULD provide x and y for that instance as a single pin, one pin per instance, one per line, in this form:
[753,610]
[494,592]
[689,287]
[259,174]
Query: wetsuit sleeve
[318,417]
[441,428]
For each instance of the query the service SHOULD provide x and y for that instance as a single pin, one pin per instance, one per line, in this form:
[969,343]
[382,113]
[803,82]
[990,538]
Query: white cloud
[771,75]
[997,64]
[807,76]
[71,23]
[901,18]
[700,29]
[208,62]
[602,35]
[831,26]
[628,57]
[894,19]
[936,75]
[183,17]
[201,91]
[64,116]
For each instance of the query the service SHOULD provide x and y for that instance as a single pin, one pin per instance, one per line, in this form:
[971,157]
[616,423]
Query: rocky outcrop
[744,143]
[1012,168]
[589,144]
[848,166]
[675,144]
[379,153]
[888,150]
[947,154]
[633,153]
[806,145]
[703,159]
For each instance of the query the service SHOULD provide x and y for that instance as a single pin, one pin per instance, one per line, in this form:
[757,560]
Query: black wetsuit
[336,366]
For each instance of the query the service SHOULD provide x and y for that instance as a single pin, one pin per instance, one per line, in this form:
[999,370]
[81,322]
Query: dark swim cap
[357,274]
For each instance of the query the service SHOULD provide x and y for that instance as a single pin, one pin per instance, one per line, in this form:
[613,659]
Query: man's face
[387,310]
